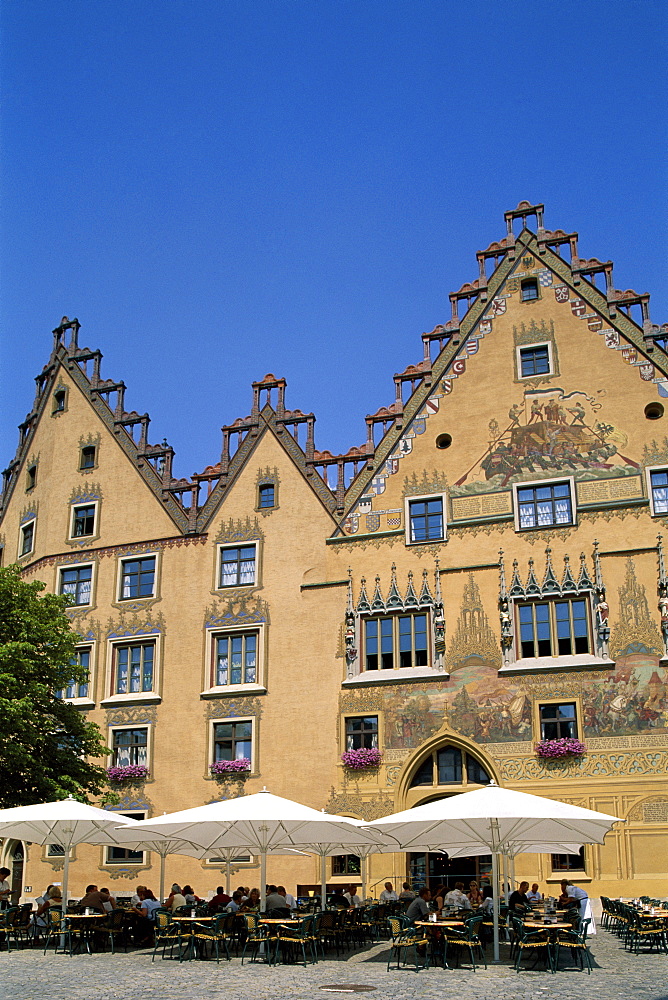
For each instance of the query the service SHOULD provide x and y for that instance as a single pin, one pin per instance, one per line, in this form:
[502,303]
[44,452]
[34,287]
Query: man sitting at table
[518,899]
[235,903]
[276,905]
[290,900]
[352,897]
[219,901]
[534,896]
[457,897]
[418,909]
[94,899]
[388,895]
[407,893]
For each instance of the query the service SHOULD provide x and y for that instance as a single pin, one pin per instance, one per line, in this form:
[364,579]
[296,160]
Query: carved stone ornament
[242,530]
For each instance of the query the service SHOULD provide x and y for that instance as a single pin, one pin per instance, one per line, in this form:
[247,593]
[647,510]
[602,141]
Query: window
[266,496]
[658,491]
[346,864]
[238,859]
[569,862]
[396,641]
[31,478]
[76,689]
[362,733]
[133,668]
[558,721]
[137,578]
[77,583]
[59,400]
[237,566]
[83,521]
[544,505]
[535,360]
[130,747]
[121,855]
[236,659]
[529,290]
[426,520]
[88,455]
[55,851]
[233,740]
[27,542]
[554,628]
[450,766]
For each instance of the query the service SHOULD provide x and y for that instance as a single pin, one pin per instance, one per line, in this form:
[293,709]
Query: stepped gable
[451,337]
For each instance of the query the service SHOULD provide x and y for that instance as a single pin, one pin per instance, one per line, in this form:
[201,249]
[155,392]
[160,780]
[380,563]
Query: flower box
[558,749]
[231,768]
[359,760]
[128,773]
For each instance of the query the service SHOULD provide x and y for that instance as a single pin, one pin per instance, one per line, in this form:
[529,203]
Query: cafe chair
[217,933]
[576,940]
[290,940]
[536,941]
[404,936]
[468,938]
[54,925]
[167,933]
[115,929]
[256,934]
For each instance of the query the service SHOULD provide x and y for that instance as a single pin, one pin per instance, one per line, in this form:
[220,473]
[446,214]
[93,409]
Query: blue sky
[218,190]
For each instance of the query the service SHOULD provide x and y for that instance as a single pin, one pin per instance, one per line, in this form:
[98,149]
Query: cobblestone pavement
[617,975]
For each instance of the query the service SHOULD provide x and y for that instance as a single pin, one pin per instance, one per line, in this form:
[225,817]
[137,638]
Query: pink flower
[565,747]
[127,772]
[357,760]
[223,767]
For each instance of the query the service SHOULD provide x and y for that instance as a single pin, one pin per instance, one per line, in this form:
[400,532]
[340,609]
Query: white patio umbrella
[66,822]
[133,840]
[261,823]
[494,820]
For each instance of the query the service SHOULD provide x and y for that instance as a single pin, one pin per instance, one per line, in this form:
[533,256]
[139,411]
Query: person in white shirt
[136,898]
[534,895]
[352,897]
[457,897]
[576,893]
[5,888]
[289,898]
[388,895]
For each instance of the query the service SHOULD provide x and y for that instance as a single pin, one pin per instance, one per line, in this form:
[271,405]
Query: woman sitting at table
[474,893]
[189,896]
[252,903]
[54,898]
[175,898]
[439,897]
[144,917]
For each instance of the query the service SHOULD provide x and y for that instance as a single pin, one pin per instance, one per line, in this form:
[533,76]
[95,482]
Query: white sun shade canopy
[259,823]
[495,820]
[66,822]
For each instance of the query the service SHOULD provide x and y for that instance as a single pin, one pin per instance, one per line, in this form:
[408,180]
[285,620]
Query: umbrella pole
[323,882]
[228,876]
[495,883]
[161,897]
[66,875]
[263,881]
[363,860]
[511,858]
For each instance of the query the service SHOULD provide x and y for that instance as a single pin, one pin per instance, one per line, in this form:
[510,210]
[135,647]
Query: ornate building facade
[484,574]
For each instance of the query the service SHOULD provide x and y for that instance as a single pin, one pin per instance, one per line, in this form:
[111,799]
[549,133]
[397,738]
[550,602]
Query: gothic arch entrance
[447,765]
[15,856]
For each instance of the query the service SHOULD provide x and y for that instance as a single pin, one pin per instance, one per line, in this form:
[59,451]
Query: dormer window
[59,400]
[529,290]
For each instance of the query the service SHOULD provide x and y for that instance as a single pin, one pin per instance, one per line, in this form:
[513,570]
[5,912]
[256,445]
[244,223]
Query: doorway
[436,868]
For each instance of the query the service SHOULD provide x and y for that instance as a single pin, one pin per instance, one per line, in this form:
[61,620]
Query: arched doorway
[447,767]
[15,857]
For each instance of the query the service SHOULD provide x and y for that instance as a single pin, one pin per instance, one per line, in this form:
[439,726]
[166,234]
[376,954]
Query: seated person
[352,897]
[276,904]
[111,902]
[189,896]
[474,894]
[338,899]
[456,897]
[135,899]
[406,892]
[219,901]
[252,904]
[144,916]
[388,895]
[419,908]
[518,899]
[439,896]
[235,903]
[288,897]
[487,905]
[53,898]
[95,899]
[534,896]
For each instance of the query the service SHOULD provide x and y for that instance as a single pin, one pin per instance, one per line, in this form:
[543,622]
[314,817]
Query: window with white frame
[133,668]
[544,505]
[425,519]
[392,642]
[534,360]
[235,658]
[137,578]
[78,688]
[83,520]
[76,582]
[658,491]
[238,565]
[130,747]
[27,537]
[558,627]
[123,855]
[233,740]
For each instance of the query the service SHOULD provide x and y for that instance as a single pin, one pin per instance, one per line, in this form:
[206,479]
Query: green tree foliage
[45,743]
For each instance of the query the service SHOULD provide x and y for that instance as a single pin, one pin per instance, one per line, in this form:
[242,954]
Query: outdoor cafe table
[439,923]
[192,920]
[87,924]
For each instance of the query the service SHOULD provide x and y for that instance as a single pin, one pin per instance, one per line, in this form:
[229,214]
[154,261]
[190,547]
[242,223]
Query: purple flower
[554,749]
[129,772]
[224,767]
[357,760]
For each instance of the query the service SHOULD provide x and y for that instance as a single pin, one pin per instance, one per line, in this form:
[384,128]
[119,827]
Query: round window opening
[654,411]
[445,440]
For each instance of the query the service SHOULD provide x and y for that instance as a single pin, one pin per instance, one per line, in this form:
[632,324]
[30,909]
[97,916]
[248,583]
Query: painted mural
[549,431]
